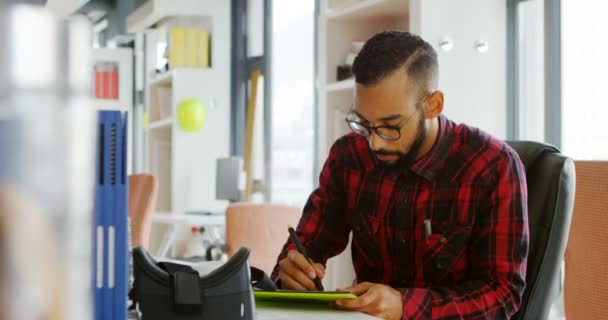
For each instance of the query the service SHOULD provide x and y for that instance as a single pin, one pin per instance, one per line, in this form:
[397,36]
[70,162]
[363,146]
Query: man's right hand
[297,274]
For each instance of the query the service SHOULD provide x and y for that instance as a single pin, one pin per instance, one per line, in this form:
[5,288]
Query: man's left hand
[374,299]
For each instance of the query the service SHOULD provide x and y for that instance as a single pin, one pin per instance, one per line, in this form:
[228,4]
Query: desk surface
[308,311]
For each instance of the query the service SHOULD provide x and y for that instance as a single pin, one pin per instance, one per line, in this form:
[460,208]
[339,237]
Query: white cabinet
[472,72]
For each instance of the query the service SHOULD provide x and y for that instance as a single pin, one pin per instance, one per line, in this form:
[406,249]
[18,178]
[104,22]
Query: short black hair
[387,51]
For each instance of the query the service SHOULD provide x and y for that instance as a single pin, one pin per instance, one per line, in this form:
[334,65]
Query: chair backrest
[143,190]
[550,177]
[586,279]
[262,227]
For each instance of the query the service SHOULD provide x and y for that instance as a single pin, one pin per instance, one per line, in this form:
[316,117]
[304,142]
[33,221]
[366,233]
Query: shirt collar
[433,161]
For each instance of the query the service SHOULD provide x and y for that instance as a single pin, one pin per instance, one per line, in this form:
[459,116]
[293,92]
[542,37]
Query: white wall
[474,83]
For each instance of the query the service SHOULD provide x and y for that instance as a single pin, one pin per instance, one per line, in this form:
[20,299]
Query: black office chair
[551,184]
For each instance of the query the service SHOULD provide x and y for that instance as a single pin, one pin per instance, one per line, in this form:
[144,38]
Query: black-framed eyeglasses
[386,132]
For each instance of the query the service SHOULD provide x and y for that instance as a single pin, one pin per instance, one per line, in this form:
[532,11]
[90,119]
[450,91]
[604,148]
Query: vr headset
[165,290]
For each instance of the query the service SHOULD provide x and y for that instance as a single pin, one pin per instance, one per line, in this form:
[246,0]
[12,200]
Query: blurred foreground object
[47,141]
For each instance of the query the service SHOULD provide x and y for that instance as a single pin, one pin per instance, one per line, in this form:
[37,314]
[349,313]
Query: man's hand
[297,274]
[374,299]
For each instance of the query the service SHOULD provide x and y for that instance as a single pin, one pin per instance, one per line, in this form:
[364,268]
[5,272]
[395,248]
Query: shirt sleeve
[498,254]
[322,229]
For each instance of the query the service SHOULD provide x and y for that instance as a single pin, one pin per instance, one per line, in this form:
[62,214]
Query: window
[292,101]
[530,71]
[585,79]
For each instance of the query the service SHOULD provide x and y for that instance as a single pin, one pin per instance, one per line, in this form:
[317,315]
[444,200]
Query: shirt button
[443,239]
[442,262]
[403,241]
[403,201]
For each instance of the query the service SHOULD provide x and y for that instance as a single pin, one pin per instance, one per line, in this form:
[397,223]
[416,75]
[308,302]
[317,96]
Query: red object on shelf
[113,83]
[106,81]
[98,82]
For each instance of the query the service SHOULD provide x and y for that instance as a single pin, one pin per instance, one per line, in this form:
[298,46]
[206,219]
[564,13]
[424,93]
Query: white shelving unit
[64,8]
[160,124]
[187,177]
[154,12]
[162,80]
[367,9]
[348,84]
[185,162]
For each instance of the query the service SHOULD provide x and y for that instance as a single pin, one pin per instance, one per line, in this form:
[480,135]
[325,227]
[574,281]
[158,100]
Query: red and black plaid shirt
[471,187]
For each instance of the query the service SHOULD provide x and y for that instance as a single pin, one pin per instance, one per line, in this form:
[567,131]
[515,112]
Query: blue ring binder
[111,239]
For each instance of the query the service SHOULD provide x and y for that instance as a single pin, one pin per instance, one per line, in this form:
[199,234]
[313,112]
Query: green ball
[191,115]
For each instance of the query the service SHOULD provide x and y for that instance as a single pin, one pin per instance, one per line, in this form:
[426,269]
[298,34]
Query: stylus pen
[294,237]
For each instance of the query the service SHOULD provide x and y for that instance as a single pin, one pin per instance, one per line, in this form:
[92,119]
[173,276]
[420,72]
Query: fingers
[300,271]
[320,269]
[289,283]
[362,303]
[288,269]
[379,301]
[358,289]
[300,261]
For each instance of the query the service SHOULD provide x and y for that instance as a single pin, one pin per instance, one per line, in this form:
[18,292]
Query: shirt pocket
[444,253]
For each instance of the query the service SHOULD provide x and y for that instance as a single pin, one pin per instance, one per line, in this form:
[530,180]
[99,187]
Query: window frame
[552,77]
[242,65]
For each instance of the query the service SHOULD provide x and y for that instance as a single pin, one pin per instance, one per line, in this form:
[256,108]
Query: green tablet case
[302,296]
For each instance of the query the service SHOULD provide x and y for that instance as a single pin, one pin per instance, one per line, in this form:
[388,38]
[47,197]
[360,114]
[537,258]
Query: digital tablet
[302,296]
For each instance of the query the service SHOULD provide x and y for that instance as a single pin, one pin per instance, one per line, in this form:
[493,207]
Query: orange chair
[262,227]
[586,278]
[143,190]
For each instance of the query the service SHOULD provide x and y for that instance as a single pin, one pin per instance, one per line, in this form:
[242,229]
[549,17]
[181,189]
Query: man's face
[393,101]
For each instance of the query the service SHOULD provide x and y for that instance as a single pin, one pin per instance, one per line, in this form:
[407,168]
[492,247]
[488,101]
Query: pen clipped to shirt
[294,238]
[428,230]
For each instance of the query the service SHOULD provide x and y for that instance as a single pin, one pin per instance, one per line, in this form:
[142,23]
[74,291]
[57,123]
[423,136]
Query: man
[438,210]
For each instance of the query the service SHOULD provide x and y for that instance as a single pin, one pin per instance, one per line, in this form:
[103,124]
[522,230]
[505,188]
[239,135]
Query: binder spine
[111,253]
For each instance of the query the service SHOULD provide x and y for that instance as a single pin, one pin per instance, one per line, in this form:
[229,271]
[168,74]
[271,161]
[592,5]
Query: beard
[407,159]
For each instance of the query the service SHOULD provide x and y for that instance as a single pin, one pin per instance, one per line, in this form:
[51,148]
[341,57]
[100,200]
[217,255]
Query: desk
[174,220]
[283,311]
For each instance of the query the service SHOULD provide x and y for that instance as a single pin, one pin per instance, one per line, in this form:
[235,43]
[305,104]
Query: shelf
[164,79]
[347,84]
[190,219]
[153,12]
[109,104]
[64,8]
[165,123]
[369,9]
